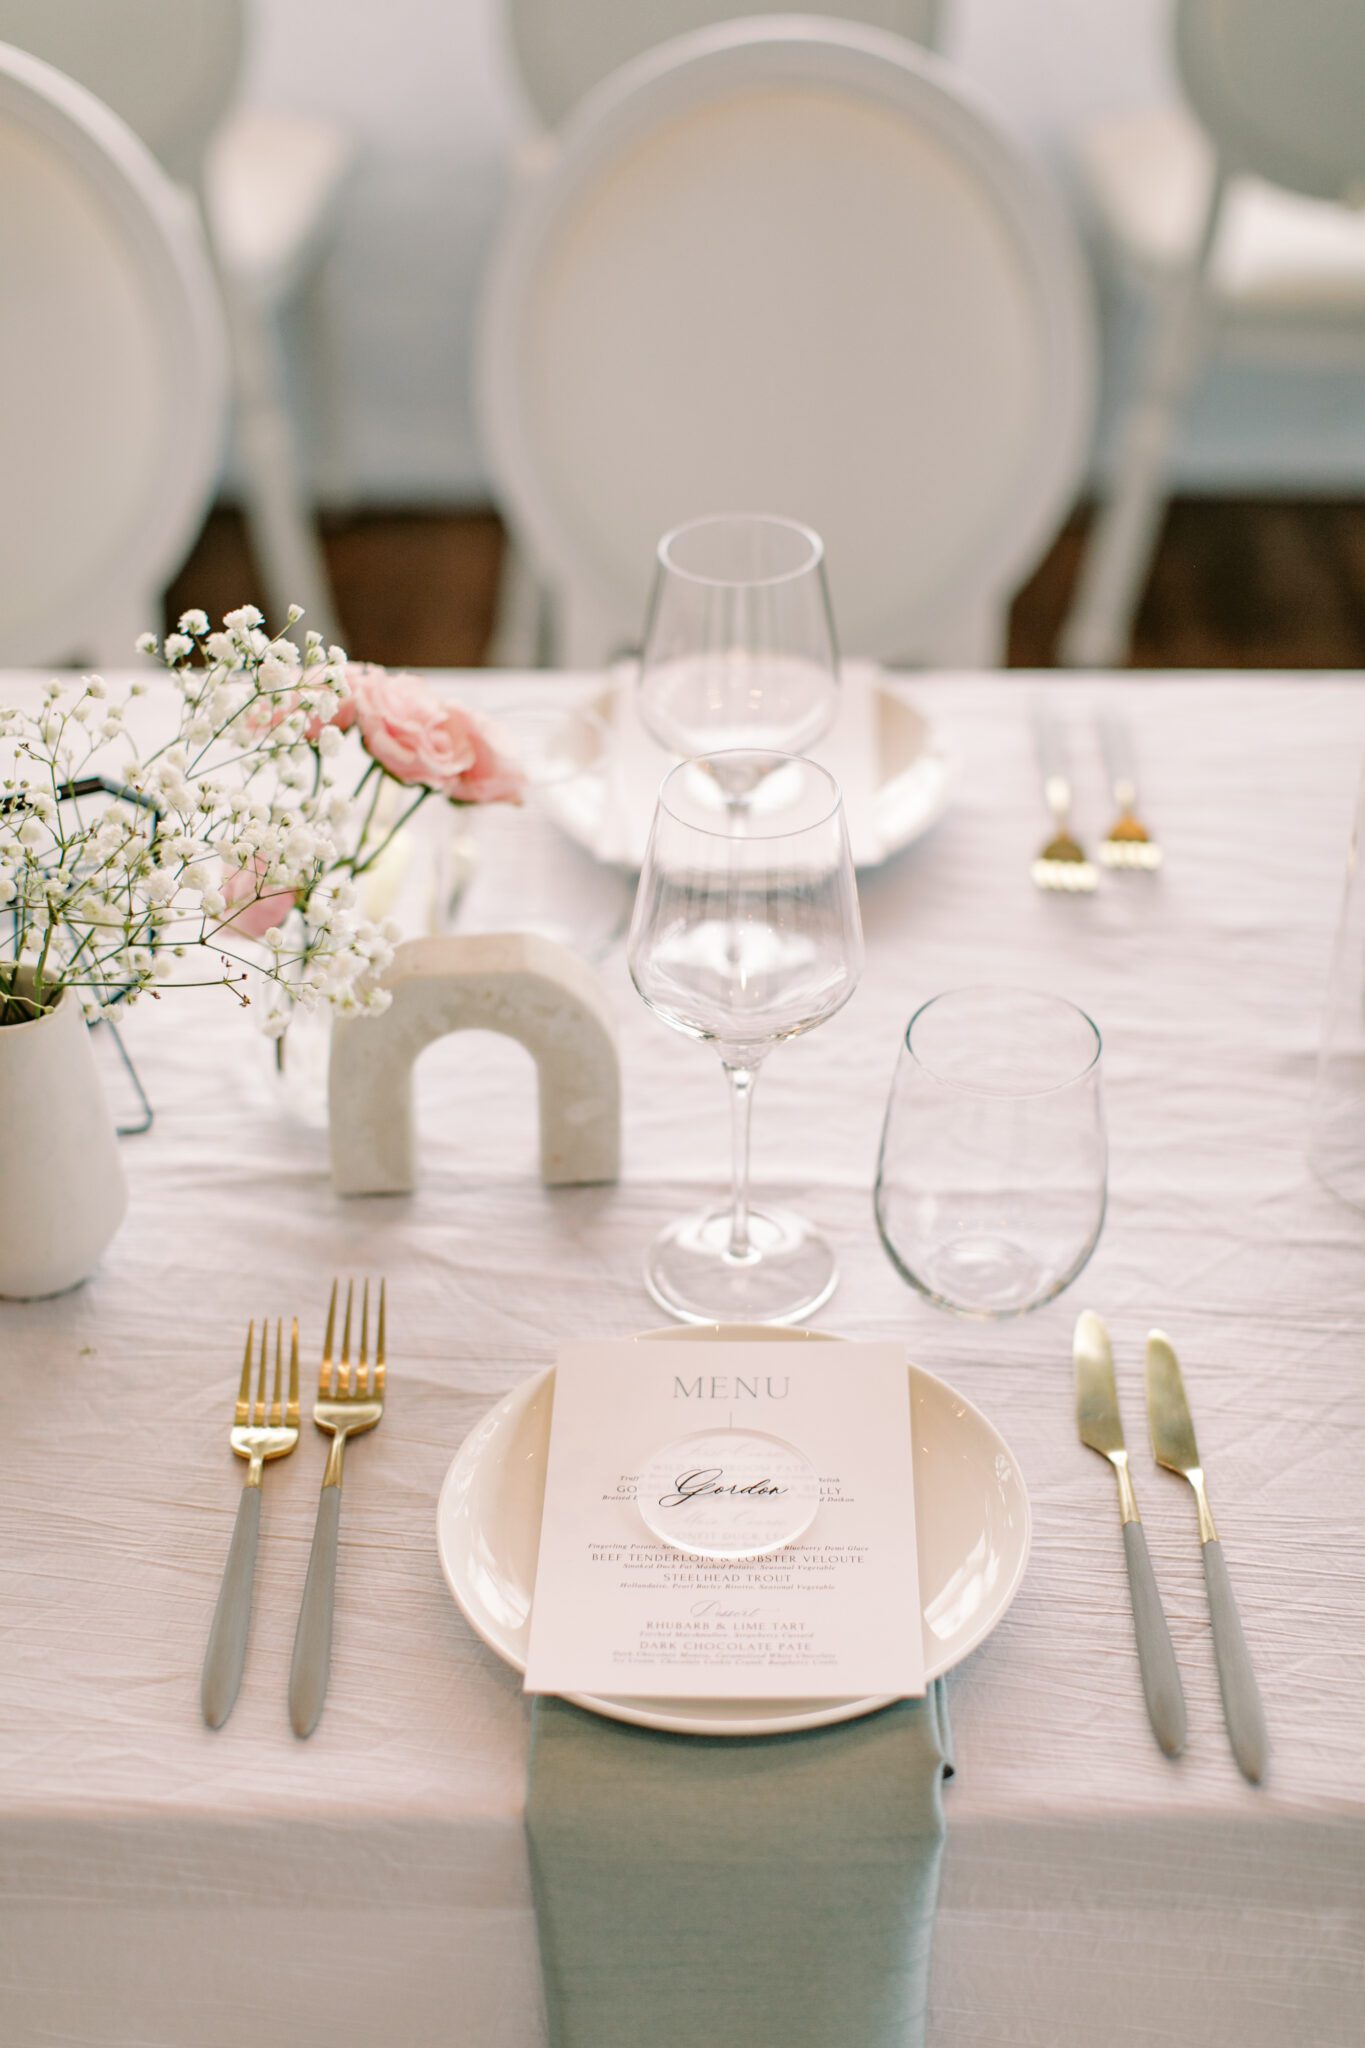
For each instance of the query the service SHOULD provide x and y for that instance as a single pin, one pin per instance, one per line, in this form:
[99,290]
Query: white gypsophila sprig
[153,878]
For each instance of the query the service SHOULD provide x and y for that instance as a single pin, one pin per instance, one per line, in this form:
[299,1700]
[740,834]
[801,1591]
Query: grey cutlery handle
[1052,759]
[313,1640]
[1156,1657]
[226,1653]
[1242,1709]
[1119,763]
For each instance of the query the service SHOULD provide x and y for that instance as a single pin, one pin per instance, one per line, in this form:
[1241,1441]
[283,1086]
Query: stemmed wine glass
[739,652]
[746,932]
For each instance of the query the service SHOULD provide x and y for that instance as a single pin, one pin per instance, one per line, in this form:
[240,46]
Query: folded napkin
[772,1890]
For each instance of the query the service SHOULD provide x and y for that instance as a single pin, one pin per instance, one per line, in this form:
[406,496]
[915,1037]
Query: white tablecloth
[165,1887]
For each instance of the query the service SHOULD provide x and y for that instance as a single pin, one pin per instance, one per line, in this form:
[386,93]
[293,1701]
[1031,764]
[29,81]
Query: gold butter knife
[1101,1429]
[1168,1416]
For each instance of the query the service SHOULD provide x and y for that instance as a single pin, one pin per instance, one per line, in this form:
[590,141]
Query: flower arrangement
[234,829]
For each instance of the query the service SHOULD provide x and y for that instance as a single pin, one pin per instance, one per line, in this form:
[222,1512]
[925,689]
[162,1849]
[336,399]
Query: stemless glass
[746,932]
[739,652]
[510,867]
[991,1181]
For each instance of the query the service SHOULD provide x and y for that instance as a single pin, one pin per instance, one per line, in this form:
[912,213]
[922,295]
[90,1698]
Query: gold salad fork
[1062,863]
[260,1431]
[1129,844]
[349,1402]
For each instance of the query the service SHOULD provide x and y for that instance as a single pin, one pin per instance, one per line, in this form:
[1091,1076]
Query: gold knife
[1173,1444]
[1101,1428]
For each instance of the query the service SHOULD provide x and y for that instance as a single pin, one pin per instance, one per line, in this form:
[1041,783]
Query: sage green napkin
[772,1890]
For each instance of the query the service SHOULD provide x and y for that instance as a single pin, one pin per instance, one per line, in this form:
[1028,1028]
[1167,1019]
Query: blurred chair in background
[788,267]
[268,186]
[561,52]
[1224,218]
[113,371]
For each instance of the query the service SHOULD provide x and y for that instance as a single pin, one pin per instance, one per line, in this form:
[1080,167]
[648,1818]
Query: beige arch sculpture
[527,988]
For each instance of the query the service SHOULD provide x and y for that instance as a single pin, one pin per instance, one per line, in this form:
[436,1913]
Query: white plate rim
[606,704]
[828,1715]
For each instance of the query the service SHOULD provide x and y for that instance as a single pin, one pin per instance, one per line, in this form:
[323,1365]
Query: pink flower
[426,740]
[259,914]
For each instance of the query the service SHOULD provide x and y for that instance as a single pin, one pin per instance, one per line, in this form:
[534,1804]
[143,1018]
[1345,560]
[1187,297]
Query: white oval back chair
[1229,221]
[112,369]
[788,266]
[269,185]
[561,52]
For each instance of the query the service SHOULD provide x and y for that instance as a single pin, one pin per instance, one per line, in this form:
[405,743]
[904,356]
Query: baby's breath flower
[194,622]
[145,643]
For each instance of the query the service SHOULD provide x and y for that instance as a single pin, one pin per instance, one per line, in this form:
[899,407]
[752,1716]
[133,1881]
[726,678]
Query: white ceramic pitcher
[62,1192]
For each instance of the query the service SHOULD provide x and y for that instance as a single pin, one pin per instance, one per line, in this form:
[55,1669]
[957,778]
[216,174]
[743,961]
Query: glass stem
[742,1081]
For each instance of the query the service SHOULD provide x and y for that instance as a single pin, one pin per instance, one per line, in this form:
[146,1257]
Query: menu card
[621,1609]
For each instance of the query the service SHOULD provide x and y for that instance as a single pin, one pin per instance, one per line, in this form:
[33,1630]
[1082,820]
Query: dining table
[166,1885]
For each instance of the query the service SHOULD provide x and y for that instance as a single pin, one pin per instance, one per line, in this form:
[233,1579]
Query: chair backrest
[112,369]
[169,68]
[563,48]
[788,267]
[1280,86]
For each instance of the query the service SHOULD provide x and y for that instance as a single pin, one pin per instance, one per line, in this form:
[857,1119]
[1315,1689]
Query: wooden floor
[1238,583]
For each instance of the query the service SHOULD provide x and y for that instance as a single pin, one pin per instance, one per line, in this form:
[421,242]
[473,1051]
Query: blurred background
[420,115]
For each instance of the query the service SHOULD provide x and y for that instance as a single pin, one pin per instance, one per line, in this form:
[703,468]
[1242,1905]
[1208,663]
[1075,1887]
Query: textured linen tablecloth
[164,1887]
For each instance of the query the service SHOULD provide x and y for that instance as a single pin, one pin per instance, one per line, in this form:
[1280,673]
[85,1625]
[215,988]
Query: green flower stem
[358,866]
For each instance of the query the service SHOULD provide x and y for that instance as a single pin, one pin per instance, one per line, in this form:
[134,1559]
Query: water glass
[510,867]
[991,1182]
[1336,1138]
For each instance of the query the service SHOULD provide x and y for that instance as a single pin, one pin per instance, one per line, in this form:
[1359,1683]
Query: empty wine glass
[739,654]
[991,1182]
[746,932]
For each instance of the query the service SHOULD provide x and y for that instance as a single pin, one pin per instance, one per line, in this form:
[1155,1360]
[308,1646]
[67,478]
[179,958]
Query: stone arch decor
[527,988]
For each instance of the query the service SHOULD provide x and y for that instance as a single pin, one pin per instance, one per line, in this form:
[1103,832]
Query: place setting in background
[745,597]
[1062,862]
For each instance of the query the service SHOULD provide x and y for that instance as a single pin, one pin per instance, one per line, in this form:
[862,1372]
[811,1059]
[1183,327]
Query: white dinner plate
[971,1517]
[896,774]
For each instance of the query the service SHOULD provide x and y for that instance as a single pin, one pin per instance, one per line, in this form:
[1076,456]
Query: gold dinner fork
[345,1407]
[1062,863]
[259,1432]
[1129,844]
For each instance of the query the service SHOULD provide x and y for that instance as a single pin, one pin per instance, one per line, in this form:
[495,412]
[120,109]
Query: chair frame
[966,622]
[162,230]
[1179,342]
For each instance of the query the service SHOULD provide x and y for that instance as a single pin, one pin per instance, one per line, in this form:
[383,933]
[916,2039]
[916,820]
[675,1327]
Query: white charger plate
[896,774]
[972,1521]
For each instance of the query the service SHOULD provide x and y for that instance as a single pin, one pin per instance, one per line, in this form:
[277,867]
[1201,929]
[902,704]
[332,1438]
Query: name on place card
[728,1521]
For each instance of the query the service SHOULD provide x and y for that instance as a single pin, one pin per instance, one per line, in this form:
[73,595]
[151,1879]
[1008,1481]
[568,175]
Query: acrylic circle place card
[728,1493]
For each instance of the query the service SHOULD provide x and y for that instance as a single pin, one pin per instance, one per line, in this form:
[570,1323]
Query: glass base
[789,1273]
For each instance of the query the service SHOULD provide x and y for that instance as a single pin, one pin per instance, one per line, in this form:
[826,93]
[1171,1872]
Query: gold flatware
[1129,844]
[260,1431]
[1101,1429]
[1062,862]
[1173,1444]
[350,1401]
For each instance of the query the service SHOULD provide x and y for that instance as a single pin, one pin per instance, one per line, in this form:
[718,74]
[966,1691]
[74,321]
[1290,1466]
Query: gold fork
[1129,844]
[345,1408]
[258,1433]
[1062,863]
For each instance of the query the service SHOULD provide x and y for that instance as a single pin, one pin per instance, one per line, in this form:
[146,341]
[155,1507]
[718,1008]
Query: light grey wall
[427,89]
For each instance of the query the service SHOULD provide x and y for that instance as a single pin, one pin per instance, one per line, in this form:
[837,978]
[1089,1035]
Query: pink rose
[489,779]
[259,914]
[426,740]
